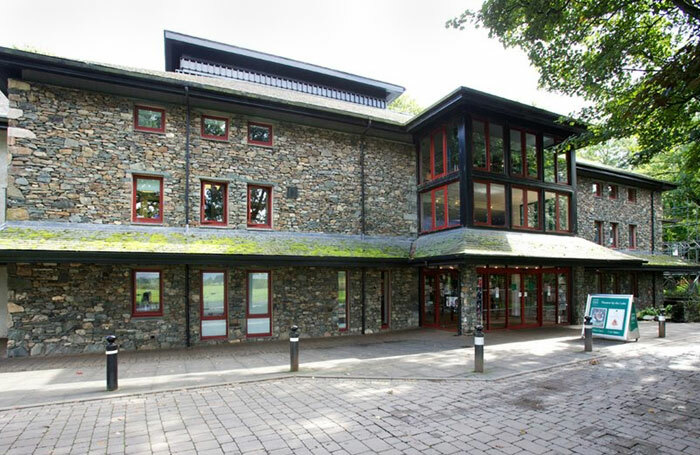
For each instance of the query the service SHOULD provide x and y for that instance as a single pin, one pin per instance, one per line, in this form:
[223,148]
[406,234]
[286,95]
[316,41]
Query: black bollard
[112,350]
[294,349]
[662,323]
[587,334]
[479,349]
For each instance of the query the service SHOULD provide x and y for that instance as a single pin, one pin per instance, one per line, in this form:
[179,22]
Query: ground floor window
[341,306]
[440,298]
[385,296]
[258,304]
[213,304]
[147,293]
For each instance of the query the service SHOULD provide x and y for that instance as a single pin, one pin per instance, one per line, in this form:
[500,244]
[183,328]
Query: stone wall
[70,308]
[469,283]
[645,287]
[79,167]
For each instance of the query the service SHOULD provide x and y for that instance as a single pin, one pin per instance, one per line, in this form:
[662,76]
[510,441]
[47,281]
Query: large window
[151,119]
[439,153]
[341,306]
[259,206]
[556,162]
[487,146]
[440,207]
[385,299]
[489,204]
[259,305]
[523,154]
[147,292]
[147,202]
[213,307]
[557,212]
[525,208]
[214,204]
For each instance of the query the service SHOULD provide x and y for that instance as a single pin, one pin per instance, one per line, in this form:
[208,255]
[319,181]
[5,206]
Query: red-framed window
[489,203]
[439,152]
[632,195]
[557,212]
[214,203]
[259,206]
[147,292]
[488,149]
[599,232]
[440,207]
[151,119]
[525,208]
[524,156]
[556,162]
[258,309]
[632,237]
[214,127]
[385,298]
[342,307]
[259,134]
[597,189]
[147,199]
[213,308]
[613,239]
[612,191]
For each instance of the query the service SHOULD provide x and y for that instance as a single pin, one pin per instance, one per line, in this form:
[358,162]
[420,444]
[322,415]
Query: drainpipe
[187,212]
[363,222]
[652,222]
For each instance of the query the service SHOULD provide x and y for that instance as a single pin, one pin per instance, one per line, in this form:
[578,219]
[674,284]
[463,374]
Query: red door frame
[434,275]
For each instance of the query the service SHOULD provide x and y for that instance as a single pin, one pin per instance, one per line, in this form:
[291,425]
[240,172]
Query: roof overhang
[654,262]
[609,174]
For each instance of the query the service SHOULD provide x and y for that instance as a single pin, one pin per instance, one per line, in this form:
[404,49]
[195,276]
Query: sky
[404,42]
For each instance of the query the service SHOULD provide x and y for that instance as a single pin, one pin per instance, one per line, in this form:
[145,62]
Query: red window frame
[264,125]
[432,192]
[632,195]
[201,305]
[557,221]
[614,234]
[487,142]
[566,154]
[347,300]
[211,136]
[597,189]
[268,225]
[385,305]
[202,219]
[525,201]
[489,218]
[612,191]
[134,217]
[138,107]
[145,314]
[632,238]
[599,232]
[523,155]
[269,303]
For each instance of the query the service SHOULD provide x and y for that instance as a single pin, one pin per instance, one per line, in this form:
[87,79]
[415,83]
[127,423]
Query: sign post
[613,316]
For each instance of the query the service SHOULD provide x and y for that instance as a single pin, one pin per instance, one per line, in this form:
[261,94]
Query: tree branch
[688,8]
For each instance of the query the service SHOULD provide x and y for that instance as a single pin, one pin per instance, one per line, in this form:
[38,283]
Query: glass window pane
[259,133]
[563,212]
[563,296]
[147,299]
[479,144]
[214,127]
[147,198]
[480,203]
[498,205]
[438,148]
[258,326]
[517,209]
[453,204]
[258,298]
[516,158]
[341,306]
[425,159]
[531,155]
[496,147]
[214,328]
[550,201]
[563,167]
[214,199]
[147,118]
[259,198]
[452,147]
[440,215]
[426,211]
[550,158]
[213,285]
[533,209]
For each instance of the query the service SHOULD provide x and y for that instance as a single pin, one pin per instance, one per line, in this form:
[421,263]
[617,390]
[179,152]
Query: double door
[440,298]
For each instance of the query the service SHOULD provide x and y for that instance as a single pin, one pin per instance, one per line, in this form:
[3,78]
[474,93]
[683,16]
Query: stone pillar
[4,312]
[582,284]
[468,282]
[4,162]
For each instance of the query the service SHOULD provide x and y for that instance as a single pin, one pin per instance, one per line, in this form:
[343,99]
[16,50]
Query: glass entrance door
[496,303]
[440,298]
[530,299]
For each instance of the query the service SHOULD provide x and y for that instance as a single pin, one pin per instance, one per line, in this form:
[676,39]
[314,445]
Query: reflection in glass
[531,155]
[426,204]
[440,208]
[147,198]
[496,147]
[214,127]
[481,214]
[479,144]
[150,119]
[342,301]
[259,203]
[425,159]
[516,152]
[147,292]
[214,200]
[452,147]
[549,309]
[453,204]
[498,205]
[258,297]
[497,301]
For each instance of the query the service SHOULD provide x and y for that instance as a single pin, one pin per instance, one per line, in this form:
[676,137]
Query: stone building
[238,193]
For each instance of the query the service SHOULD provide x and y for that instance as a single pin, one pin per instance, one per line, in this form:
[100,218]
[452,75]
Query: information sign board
[613,316]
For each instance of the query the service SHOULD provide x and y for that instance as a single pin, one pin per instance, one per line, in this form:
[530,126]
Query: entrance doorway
[440,295]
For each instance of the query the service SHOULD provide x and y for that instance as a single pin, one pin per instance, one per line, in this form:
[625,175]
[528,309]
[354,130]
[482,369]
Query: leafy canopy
[636,61]
[406,105]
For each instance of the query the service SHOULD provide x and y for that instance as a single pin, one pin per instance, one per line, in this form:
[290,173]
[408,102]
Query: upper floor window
[523,154]
[632,194]
[525,208]
[259,134]
[489,204]
[597,189]
[613,237]
[556,162]
[487,146]
[149,119]
[439,153]
[259,206]
[147,199]
[632,237]
[440,207]
[598,232]
[612,191]
[147,292]
[557,212]
[214,127]
[214,203]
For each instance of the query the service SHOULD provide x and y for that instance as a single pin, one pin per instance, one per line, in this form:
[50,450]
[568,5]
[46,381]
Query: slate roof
[665,261]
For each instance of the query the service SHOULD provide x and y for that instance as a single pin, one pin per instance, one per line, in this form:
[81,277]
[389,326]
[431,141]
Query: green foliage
[613,152]
[405,104]
[636,62]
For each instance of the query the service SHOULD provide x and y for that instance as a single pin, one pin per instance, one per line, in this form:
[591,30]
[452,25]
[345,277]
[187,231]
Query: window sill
[215,139]
[259,228]
[158,132]
[214,226]
[265,146]
[146,223]
[146,317]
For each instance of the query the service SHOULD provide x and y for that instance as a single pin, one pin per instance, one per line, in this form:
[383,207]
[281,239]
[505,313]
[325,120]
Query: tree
[613,152]
[406,105]
[636,61]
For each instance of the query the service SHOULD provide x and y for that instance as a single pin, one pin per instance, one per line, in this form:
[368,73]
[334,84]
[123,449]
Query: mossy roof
[666,261]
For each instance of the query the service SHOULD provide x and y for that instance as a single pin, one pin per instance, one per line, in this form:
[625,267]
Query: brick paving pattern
[638,403]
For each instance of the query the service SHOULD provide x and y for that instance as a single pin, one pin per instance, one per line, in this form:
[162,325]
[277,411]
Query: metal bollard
[662,323]
[112,350]
[588,334]
[294,349]
[479,349]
